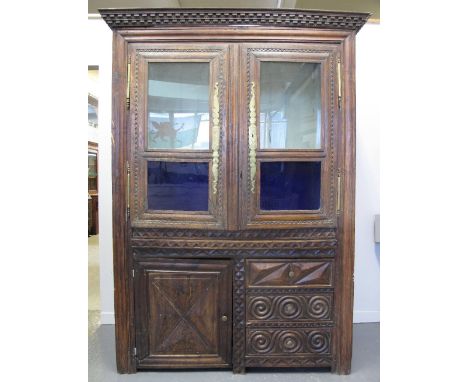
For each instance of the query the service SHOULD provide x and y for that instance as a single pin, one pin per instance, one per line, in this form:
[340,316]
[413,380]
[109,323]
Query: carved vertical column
[238,361]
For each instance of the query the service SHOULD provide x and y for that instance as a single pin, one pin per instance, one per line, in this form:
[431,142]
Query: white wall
[367,263]
[367,289]
[99,39]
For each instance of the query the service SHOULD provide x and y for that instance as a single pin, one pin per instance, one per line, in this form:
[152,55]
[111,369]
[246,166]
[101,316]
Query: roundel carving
[318,307]
[318,342]
[290,342]
[261,308]
[289,307]
[261,342]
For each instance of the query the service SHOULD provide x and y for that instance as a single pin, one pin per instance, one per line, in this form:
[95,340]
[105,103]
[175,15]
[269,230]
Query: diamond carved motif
[289,273]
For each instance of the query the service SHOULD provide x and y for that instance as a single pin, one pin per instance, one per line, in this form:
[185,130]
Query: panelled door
[288,114]
[178,100]
[183,313]
[289,135]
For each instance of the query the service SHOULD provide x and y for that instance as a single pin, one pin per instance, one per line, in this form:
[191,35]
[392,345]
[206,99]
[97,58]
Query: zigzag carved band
[233,244]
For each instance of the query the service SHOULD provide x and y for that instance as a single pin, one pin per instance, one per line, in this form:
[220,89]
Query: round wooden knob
[224,318]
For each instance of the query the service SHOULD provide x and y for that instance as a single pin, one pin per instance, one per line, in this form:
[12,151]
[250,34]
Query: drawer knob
[224,318]
[291,274]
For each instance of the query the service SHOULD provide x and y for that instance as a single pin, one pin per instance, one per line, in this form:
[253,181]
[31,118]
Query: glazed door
[289,135]
[178,135]
[183,313]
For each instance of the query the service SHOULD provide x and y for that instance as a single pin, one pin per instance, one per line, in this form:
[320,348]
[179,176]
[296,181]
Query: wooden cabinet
[233,185]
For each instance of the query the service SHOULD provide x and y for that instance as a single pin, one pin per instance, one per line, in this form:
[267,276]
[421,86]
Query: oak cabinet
[233,185]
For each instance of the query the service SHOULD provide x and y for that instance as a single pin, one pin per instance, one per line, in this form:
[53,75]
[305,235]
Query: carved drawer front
[287,273]
[307,307]
[289,342]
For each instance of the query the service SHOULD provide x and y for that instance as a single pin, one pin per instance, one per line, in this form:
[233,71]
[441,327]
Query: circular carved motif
[318,342]
[261,308]
[318,307]
[261,342]
[289,307]
[290,342]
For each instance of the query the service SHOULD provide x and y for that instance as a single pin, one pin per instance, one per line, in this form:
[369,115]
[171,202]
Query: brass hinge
[338,76]
[128,192]
[128,83]
[338,192]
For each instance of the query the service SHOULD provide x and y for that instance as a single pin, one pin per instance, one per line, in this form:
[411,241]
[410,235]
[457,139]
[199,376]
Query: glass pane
[178,107]
[92,164]
[180,186]
[290,105]
[290,185]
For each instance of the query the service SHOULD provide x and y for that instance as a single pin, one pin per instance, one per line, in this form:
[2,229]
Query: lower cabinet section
[183,313]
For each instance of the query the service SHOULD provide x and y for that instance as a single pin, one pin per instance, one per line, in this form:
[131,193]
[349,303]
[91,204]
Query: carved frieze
[232,244]
[259,234]
[288,341]
[137,18]
[288,361]
[284,307]
[151,252]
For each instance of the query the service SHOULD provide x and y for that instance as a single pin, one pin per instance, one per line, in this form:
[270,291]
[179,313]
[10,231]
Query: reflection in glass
[290,105]
[179,186]
[178,107]
[290,185]
[92,171]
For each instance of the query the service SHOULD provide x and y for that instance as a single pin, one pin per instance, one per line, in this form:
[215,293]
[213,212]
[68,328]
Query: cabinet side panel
[345,283]
[122,292]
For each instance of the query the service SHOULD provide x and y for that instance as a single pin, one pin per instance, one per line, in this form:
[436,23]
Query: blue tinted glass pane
[290,185]
[180,186]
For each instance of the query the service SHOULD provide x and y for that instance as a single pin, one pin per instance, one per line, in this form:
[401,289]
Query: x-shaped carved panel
[187,325]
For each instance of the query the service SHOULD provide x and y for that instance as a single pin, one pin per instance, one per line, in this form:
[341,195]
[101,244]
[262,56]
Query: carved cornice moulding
[176,17]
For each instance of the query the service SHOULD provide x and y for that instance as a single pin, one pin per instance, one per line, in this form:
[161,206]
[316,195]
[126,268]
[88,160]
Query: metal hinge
[133,273]
[128,83]
[134,352]
[338,76]
[128,192]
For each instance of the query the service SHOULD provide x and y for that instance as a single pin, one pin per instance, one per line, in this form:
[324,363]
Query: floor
[101,362]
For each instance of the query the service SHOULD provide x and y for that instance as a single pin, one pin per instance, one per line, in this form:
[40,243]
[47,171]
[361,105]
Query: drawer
[289,342]
[297,307]
[287,273]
